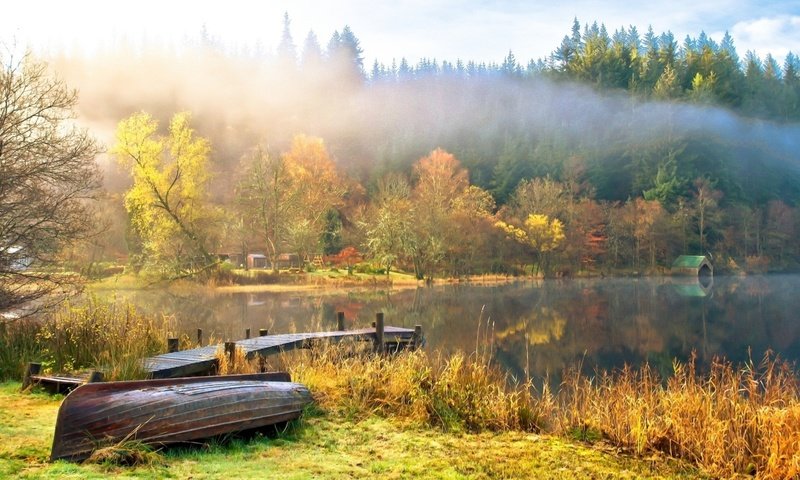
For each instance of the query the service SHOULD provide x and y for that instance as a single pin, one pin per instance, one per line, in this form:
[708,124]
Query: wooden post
[247,333]
[230,351]
[417,338]
[199,336]
[263,332]
[33,368]
[95,376]
[340,321]
[379,332]
[173,345]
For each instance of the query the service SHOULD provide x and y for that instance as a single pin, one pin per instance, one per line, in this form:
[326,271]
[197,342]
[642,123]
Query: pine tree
[312,52]
[287,51]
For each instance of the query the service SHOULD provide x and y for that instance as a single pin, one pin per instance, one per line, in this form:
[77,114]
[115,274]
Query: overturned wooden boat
[170,411]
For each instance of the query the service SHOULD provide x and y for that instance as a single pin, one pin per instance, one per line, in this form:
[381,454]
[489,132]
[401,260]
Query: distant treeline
[619,150]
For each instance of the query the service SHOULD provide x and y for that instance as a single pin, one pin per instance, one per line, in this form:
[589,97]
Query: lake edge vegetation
[728,420]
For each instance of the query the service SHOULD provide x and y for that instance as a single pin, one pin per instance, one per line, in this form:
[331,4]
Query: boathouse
[697,265]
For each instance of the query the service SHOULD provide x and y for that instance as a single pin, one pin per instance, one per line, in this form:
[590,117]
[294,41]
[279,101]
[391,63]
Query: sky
[443,29]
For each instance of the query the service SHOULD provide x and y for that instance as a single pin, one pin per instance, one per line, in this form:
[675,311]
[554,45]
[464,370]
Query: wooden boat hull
[169,411]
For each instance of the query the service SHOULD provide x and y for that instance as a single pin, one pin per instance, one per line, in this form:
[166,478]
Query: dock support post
[247,334]
[33,368]
[263,332]
[379,332]
[173,345]
[95,377]
[230,351]
[417,338]
[340,321]
[199,336]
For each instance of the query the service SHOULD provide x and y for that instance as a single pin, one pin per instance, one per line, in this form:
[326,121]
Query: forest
[616,153]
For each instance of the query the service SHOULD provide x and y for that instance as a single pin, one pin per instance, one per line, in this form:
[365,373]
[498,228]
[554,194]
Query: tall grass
[18,346]
[102,335]
[239,363]
[454,393]
[94,334]
[729,420]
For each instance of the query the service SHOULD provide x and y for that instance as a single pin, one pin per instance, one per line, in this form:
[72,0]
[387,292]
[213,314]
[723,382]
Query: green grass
[328,446]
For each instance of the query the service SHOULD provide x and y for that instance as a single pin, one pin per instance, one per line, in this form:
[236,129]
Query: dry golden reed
[729,421]
[236,365]
[455,393]
[107,336]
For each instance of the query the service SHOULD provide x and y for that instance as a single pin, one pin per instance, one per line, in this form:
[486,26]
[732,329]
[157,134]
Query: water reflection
[533,327]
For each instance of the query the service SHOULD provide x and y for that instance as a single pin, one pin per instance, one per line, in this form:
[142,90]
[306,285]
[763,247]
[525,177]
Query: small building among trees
[697,265]
[256,260]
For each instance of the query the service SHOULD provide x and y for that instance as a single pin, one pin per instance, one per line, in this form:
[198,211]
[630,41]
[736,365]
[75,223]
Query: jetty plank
[202,360]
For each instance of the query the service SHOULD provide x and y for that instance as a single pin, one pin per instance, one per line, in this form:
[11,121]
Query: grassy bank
[328,446]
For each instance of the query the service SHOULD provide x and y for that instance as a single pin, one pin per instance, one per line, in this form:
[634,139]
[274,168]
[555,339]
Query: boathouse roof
[695,264]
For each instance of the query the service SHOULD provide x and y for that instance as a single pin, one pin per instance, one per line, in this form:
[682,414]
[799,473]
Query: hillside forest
[616,153]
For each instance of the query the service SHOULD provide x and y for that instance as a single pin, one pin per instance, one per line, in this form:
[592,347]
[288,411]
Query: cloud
[777,35]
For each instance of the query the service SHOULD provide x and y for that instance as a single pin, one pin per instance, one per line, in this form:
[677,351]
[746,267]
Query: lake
[539,327]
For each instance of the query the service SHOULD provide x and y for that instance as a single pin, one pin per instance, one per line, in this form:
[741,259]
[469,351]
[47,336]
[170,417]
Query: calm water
[543,326]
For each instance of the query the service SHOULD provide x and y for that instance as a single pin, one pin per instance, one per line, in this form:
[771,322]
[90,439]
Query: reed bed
[18,346]
[92,334]
[729,420]
[454,393]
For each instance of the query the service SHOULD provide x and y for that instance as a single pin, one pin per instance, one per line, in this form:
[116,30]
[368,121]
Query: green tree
[667,87]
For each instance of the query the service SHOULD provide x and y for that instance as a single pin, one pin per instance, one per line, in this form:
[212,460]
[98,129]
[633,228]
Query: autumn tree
[47,177]
[292,197]
[168,202]
[541,195]
[440,181]
[472,217]
[267,200]
[648,229]
[389,232]
[540,233]
[316,189]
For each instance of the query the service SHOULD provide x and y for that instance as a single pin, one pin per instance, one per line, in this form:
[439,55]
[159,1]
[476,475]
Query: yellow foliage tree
[539,232]
[167,204]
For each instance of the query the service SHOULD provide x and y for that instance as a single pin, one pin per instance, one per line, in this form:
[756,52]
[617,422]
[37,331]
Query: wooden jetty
[202,361]
[58,383]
